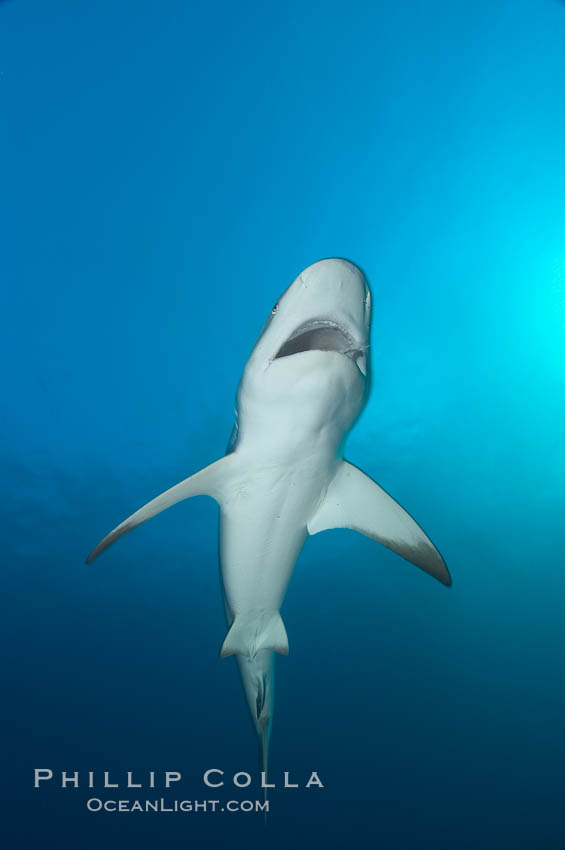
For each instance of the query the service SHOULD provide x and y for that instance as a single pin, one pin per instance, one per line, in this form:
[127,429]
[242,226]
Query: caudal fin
[250,633]
[264,762]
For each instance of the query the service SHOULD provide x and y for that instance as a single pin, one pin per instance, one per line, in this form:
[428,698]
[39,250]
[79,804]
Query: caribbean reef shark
[284,476]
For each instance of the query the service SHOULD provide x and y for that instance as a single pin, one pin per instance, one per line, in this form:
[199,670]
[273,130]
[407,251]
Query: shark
[284,476]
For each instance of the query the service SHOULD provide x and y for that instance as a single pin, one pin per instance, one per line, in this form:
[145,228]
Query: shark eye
[274,310]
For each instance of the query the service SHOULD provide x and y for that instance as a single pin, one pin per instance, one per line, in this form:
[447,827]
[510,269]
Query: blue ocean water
[167,170]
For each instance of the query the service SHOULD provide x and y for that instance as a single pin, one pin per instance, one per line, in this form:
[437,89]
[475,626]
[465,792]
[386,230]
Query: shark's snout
[326,308]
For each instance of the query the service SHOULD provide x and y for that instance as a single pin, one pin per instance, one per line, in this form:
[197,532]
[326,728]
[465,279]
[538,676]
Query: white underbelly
[262,531]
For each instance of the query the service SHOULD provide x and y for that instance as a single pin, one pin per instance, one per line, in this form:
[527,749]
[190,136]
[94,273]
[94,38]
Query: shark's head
[327,308]
[310,366]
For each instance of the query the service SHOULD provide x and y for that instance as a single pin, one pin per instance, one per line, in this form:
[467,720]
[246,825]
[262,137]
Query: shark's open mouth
[323,335]
[317,336]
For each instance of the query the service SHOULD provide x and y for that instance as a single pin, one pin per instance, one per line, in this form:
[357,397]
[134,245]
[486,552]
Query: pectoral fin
[211,481]
[356,501]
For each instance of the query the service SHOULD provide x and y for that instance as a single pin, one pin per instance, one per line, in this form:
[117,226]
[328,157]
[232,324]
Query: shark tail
[253,632]
[258,680]
[264,762]
[264,702]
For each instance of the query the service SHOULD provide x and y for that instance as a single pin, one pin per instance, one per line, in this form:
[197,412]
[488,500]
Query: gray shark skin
[285,477]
